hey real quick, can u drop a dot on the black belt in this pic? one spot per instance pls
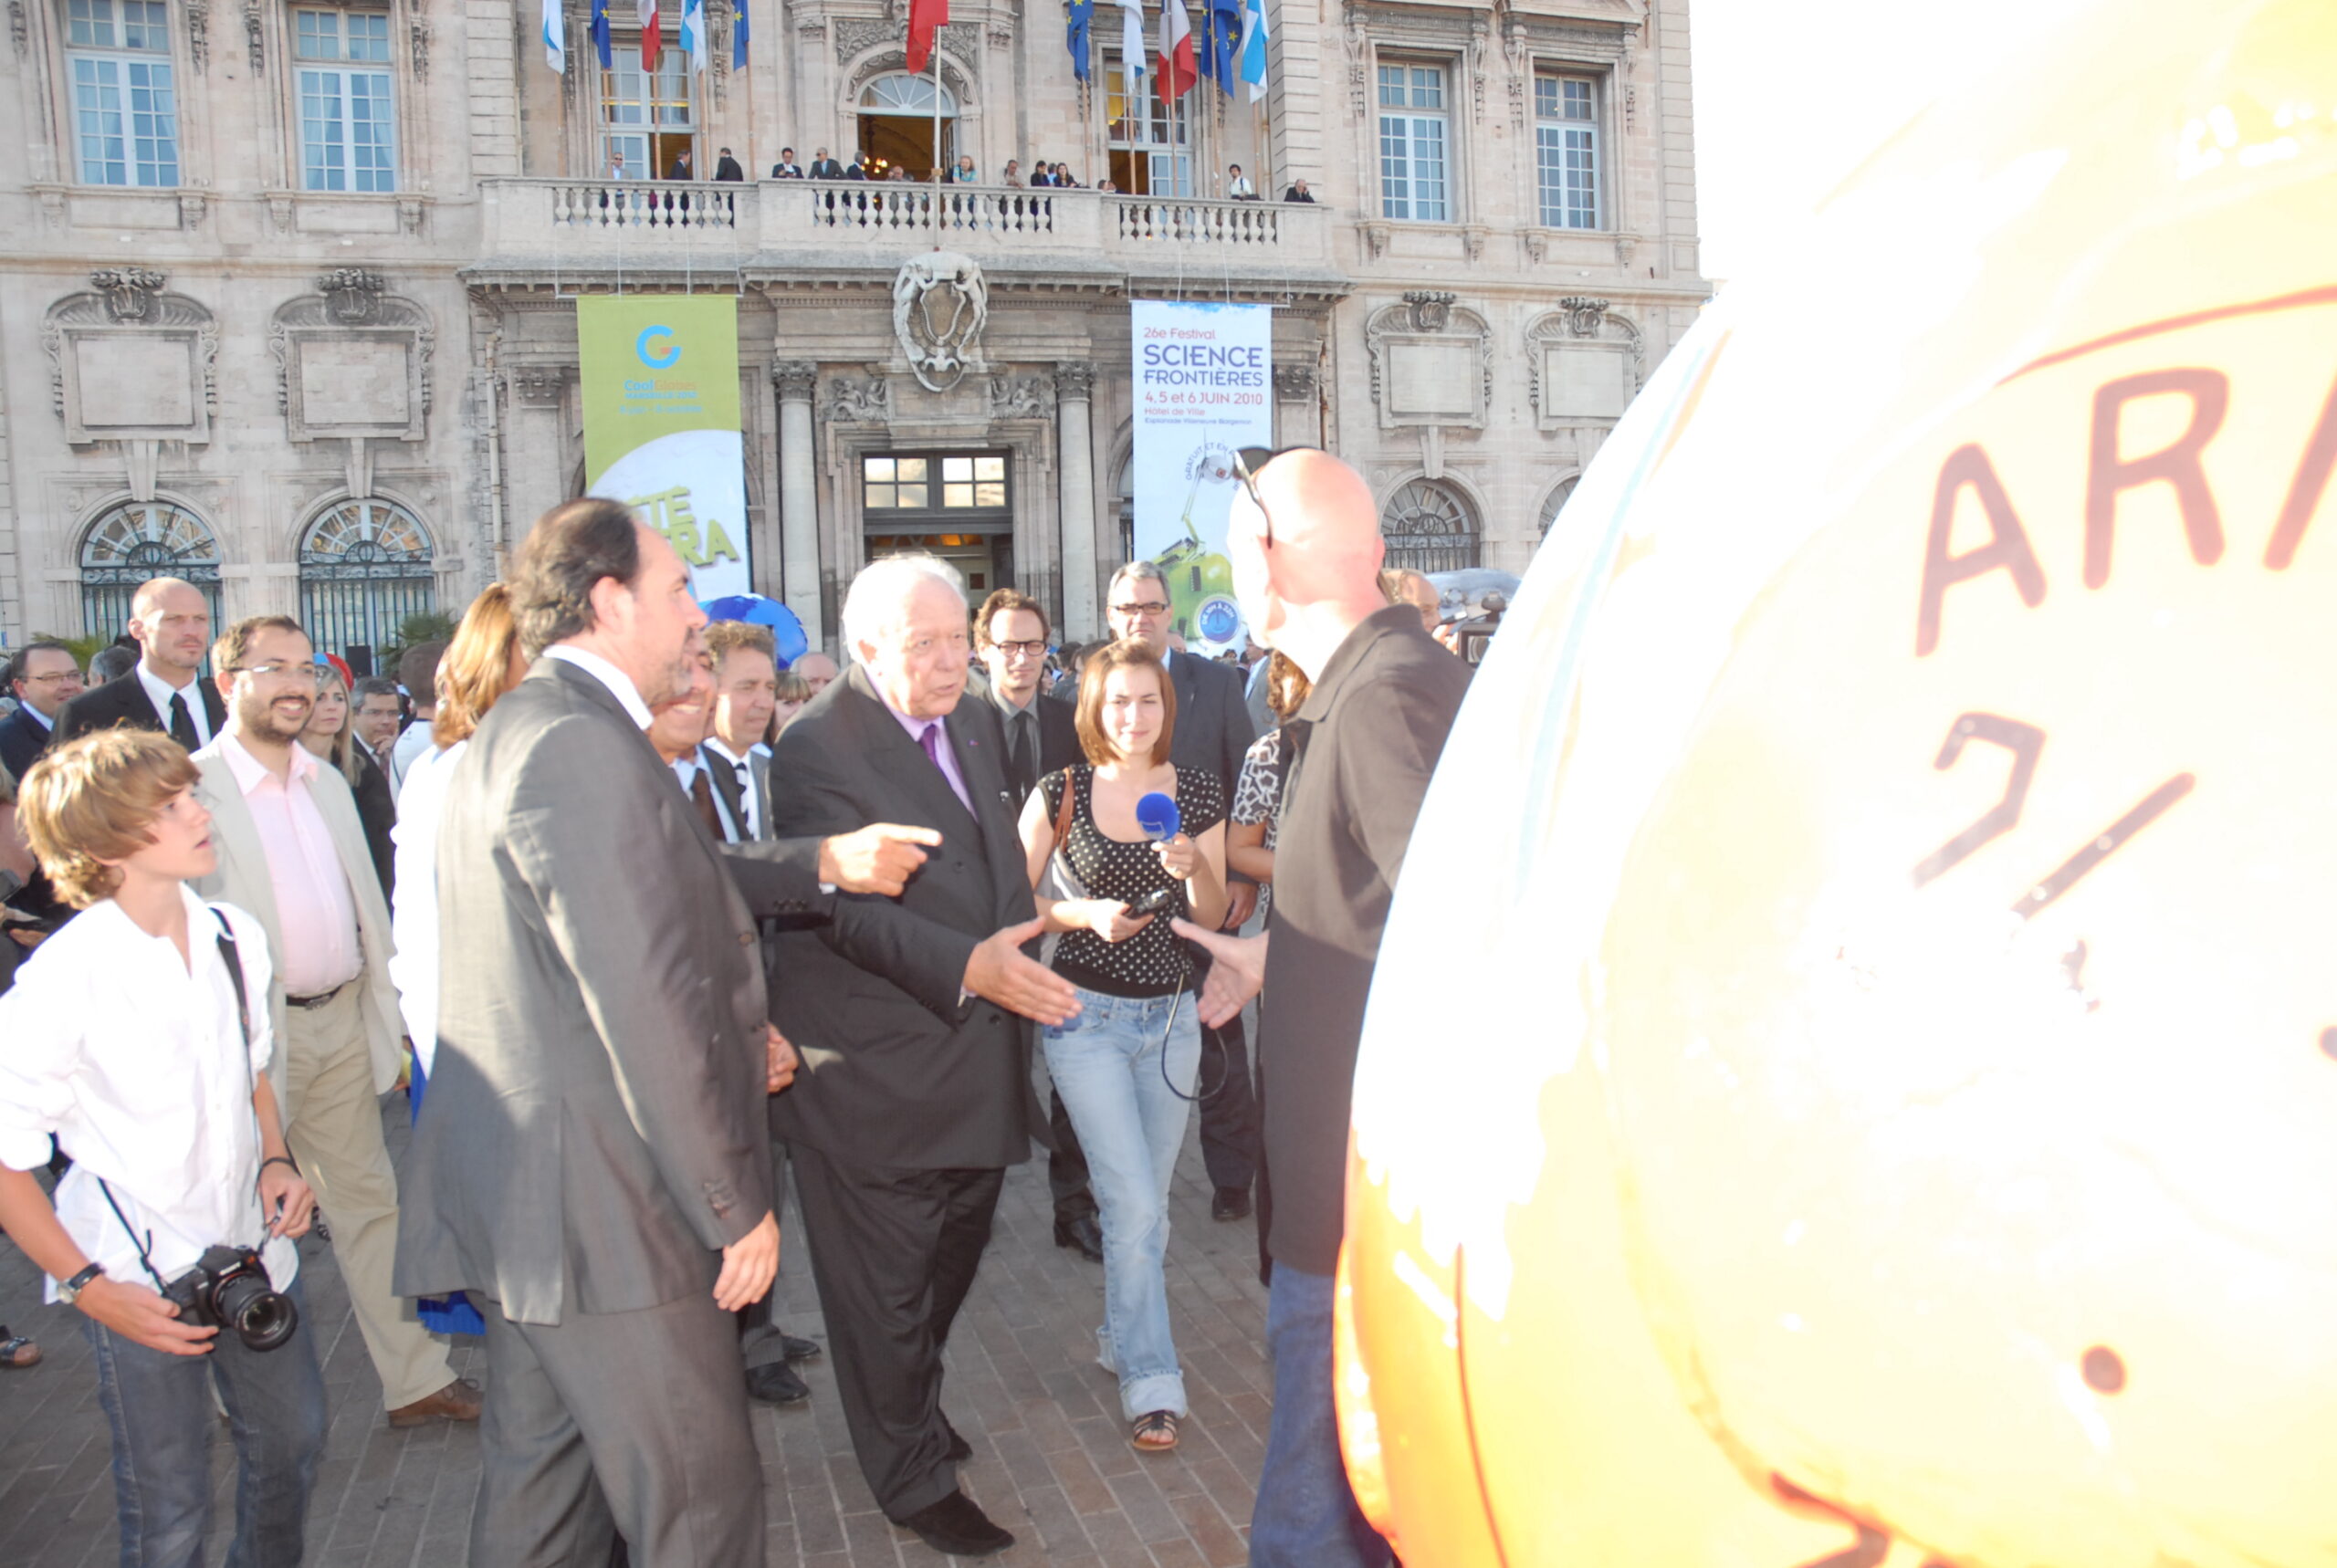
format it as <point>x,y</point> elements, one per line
<point>319,1000</point>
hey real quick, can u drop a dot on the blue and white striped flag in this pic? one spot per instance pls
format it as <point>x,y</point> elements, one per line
<point>693,37</point>
<point>1253,50</point>
<point>555,38</point>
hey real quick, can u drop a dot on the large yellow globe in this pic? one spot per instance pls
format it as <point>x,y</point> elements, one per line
<point>1853,1073</point>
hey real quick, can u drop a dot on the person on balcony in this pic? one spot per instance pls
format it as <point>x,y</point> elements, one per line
<point>1014,181</point>
<point>786,168</point>
<point>853,169</point>
<point>825,167</point>
<point>1238,185</point>
<point>965,173</point>
<point>1063,182</point>
<point>727,168</point>
<point>616,165</point>
<point>681,169</point>
<point>1299,193</point>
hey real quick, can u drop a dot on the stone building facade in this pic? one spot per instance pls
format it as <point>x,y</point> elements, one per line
<point>288,302</point>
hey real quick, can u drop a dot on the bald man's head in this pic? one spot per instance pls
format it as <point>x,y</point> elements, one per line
<point>171,623</point>
<point>1326,546</point>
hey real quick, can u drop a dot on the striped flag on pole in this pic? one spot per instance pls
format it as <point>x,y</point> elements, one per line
<point>1253,50</point>
<point>1177,72</point>
<point>1132,42</point>
<point>653,40</point>
<point>692,37</point>
<point>555,38</point>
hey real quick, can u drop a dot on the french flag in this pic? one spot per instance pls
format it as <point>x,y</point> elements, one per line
<point>1178,73</point>
<point>927,17</point>
<point>653,42</point>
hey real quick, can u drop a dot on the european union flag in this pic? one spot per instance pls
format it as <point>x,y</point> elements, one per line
<point>738,39</point>
<point>601,33</point>
<point>1083,13</point>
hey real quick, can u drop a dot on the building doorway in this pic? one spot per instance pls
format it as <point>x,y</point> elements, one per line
<point>896,114</point>
<point>955,504</point>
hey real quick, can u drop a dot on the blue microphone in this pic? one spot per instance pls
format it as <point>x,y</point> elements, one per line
<point>1157,815</point>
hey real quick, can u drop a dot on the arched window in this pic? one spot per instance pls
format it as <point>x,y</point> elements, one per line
<point>1429,527</point>
<point>364,567</point>
<point>897,126</point>
<point>901,93</point>
<point>1555,504</point>
<point>136,540</point>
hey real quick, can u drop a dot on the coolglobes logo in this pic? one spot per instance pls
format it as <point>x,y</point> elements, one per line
<point>646,348</point>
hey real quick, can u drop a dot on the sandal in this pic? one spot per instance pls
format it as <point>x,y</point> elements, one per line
<point>17,1354</point>
<point>1155,1432</point>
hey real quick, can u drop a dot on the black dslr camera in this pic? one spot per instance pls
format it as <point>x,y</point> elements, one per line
<point>229,1289</point>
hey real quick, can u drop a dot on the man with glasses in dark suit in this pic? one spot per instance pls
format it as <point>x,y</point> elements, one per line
<point>43,677</point>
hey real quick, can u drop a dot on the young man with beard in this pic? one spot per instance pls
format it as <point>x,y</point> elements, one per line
<point>292,852</point>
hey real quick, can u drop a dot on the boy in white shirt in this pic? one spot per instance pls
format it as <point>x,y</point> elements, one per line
<point>130,1040</point>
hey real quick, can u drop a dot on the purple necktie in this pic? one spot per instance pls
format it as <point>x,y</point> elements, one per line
<point>930,738</point>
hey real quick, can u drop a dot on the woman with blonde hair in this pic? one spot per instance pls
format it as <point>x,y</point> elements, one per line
<point>1125,1066</point>
<point>333,739</point>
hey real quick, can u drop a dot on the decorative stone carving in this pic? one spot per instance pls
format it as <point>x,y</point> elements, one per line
<point>856,34</point>
<point>1583,363</point>
<point>940,304</point>
<point>19,29</point>
<point>255,21</point>
<point>1430,309</point>
<point>795,380</point>
<point>1480,29</point>
<point>1422,375</point>
<point>352,362</point>
<point>812,28</point>
<point>1625,246</point>
<point>410,211</point>
<point>129,361</point>
<point>1537,244</point>
<point>1021,397</point>
<point>538,386</point>
<point>1074,381</point>
<point>1472,240</point>
<point>1001,35</point>
<point>1294,383</point>
<point>198,33</point>
<point>352,295</point>
<point>418,47</point>
<point>1374,238</point>
<point>857,399</point>
<point>52,207</point>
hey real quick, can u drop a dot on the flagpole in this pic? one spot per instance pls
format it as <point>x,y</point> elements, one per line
<point>937,139</point>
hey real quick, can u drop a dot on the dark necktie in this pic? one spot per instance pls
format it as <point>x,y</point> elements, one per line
<point>1018,758</point>
<point>702,792</point>
<point>931,741</point>
<point>183,723</point>
<point>746,778</point>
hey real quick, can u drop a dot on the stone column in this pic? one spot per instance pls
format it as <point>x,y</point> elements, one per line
<point>799,491</point>
<point>1297,411</point>
<point>1075,473</point>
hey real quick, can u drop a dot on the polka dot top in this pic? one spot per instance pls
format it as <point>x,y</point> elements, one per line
<point>1151,962</point>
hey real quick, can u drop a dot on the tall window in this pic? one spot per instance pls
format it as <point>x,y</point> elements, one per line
<point>364,567</point>
<point>349,133</point>
<point>136,540</point>
<point>1566,131</point>
<point>1412,141</point>
<point>1152,143</point>
<point>648,118</point>
<point>125,115</point>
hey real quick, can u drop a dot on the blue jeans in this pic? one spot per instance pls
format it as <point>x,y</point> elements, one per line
<point>1107,1065</point>
<point>1305,1516</point>
<point>159,1407</point>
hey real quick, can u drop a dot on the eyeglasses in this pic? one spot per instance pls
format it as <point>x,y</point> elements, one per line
<point>280,669</point>
<point>1149,607</point>
<point>1028,650</point>
<point>59,678</point>
<point>1248,461</point>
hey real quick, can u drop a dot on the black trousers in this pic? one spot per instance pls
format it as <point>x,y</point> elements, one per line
<point>894,1253</point>
<point>1229,1106</point>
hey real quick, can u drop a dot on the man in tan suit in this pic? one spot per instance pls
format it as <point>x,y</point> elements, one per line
<point>292,852</point>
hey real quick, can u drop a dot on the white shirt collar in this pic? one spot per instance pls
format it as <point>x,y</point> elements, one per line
<point>609,675</point>
<point>160,694</point>
<point>40,718</point>
<point>714,744</point>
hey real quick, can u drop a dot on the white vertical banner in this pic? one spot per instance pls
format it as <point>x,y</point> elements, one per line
<point>1204,388</point>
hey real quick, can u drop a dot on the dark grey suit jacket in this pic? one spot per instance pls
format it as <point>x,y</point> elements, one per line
<point>594,1132</point>
<point>1213,728</point>
<point>125,703</point>
<point>23,739</point>
<point>896,1071</point>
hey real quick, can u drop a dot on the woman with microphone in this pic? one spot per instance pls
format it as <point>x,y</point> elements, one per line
<point>1117,845</point>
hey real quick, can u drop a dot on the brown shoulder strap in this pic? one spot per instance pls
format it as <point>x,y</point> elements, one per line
<point>1063,812</point>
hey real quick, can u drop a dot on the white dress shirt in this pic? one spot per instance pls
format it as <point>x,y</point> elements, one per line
<point>316,910</point>
<point>414,742</point>
<point>743,771</point>
<point>414,910</point>
<point>686,774</point>
<point>135,1062</point>
<point>608,675</point>
<point>160,694</point>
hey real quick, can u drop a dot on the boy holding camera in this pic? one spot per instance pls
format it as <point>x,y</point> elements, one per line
<point>131,1039</point>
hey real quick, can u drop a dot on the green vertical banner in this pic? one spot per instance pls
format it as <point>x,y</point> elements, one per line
<point>661,424</point>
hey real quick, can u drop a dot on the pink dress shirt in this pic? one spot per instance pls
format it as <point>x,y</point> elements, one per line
<point>945,753</point>
<point>316,914</point>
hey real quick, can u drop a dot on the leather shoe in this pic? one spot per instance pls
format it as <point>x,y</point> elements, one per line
<point>776,1383</point>
<point>458,1401</point>
<point>795,1349</point>
<point>1231,1203</point>
<point>1083,1233</point>
<point>957,1527</point>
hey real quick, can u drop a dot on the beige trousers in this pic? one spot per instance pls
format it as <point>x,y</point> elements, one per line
<point>333,1125</point>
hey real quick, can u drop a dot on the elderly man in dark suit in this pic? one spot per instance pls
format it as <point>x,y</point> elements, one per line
<point>591,1163</point>
<point>909,1013</point>
<point>43,677</point>
<point>170,621</point>
<point>1214,732</point>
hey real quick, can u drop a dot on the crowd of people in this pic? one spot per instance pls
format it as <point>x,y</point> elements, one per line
<point>653,929</point>
<point>1040,173</point>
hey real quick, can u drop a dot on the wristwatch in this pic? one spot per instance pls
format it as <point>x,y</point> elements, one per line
<point>73,1287</point>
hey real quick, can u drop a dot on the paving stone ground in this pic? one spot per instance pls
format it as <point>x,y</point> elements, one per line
<point>1052,1460</point>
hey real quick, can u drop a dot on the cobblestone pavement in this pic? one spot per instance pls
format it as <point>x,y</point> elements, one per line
<point>1052,1460</point>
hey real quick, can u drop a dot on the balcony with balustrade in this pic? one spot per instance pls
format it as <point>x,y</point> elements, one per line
<point>538,231</point>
